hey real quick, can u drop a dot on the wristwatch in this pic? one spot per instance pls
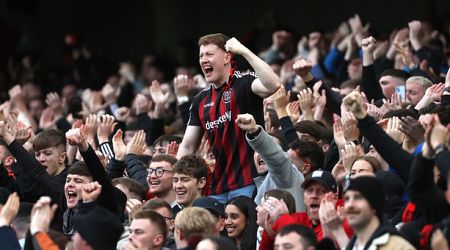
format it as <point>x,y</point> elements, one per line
<point>447,89</point>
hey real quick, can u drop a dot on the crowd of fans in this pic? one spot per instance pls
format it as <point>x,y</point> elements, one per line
<point>336,140</point>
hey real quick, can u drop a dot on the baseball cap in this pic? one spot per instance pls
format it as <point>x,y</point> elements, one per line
<point>323,177</point>
<point>211,204</point>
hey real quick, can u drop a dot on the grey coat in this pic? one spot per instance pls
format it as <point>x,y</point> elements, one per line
<point>281,173</point>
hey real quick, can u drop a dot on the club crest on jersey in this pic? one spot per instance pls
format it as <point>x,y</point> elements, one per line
<point>226,97</point>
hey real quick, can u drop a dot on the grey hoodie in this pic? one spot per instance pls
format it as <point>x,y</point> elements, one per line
<point>281,173</point>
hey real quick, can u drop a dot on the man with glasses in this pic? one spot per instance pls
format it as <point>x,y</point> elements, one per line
<point>159,179</point>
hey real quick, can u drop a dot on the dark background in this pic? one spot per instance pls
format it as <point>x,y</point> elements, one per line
<point>125,30</point>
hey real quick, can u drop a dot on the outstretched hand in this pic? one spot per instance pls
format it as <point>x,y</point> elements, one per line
<point>9,211</point>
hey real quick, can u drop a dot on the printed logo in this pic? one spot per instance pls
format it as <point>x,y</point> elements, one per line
<point>221,120</point>
<point>226,97</point>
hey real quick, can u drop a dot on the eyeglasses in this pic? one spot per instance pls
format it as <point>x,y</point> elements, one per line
<point>158,171</point>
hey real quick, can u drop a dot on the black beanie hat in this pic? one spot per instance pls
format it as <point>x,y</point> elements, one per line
<point>371,188</point>
<point>100,228</point>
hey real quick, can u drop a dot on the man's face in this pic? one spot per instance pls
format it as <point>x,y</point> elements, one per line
<point>261,213</point>
<point>357,209</point>
<point>414,92</point>
<point>144,233</point>
<point>313,196</point>
<point>187,188</point>
<point>388,84</point>
<point>162,184</point>
<point>168,216</point>
<point>291,241</point>
<point>36,108</point>
<point>72,188</point>
<point>160,149</point>
<point>212,61</point>
<point>260,164</point>
<point>354,69</point>
<point>51,158</point>
<point>361,168</point>
<point>302,166</point>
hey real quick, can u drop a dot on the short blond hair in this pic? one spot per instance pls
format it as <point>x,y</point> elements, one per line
<point>422,81</point>
<point>195,221</point>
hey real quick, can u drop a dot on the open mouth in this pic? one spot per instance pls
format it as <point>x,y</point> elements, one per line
<point>181,193</point>
<point>72,196</point>
<point>314,207</point>
<point>155,182</point>
<point>208,70</point>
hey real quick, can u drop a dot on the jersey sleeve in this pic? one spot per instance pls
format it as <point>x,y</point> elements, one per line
<point>194,118</point>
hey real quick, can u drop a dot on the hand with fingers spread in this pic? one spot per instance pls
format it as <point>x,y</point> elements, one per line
<point>435,92</point>
<point>338,133</point>
<point>303,69</point>
<point>306,101</point>
<point>281,100</point>
<point>41,215</point>
<point>137,145</point>
<point>349,124</point>
<point>15,93</point>
<point>5,133</point>
<point>338,171</point>
<point>393,129</point>
<point>353,103</point>
<point>399,38</point>
<point>142,104</point>
<point>412,128</point>
<point>275,209</point>
<point>77,137</point>
<point>9,211</point>
<point>91,191</point>
<point>133,206</point>
<point>349,154</point>
<point>394,103</point>
<point>374,111</point>
<point>293,110</point>
<point>247,123</point>
<point>436,134</point>
<point>182,85</point>
<point>172,148</point>
<point>46,121</point>
<point>106,125</point>
<point>23,132</point>
<point>91,126</point>
<point>159,97</point>
<point>108,93</point>
<point>55,103</point>
<point>320,97</point>
<point>329,216</point>
<point>119,147</point>
<point>122,114</point>
<point>414,34</point>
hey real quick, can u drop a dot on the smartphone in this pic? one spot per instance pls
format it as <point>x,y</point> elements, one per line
<point>401,90</point>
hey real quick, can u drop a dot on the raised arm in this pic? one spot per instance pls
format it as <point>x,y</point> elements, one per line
<point>191,141</point>
<point>267,82</point>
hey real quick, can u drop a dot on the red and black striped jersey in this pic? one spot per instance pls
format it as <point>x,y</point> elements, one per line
<point>215,110</point>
